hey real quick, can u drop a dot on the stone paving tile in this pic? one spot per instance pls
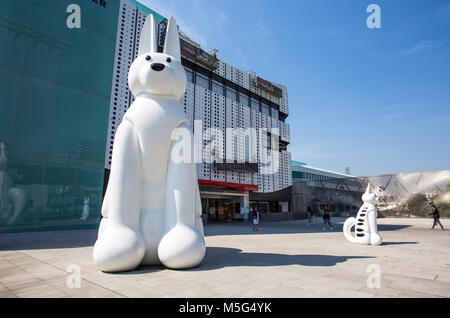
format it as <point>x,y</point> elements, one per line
<point>7,294</point>
<point>346,293</point>
<point>288,292</point>
<point>383,292</point>
<point>413,294</point>
<point>261,291</point>
<point>39,291</point>
<point>286,259</point>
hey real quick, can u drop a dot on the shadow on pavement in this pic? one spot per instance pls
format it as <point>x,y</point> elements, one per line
<point>220,257</point>
<point>399,243</point>
<point>47,240</point>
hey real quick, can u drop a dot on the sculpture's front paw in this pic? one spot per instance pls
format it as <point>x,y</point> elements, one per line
<point>375,239</point>
<point>119,249</point>
<point>183,247</point>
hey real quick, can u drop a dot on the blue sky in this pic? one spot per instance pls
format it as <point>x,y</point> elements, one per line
<point>376,100</point>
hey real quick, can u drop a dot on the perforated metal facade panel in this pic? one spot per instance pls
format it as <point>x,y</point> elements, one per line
<point>189,102</point>
<point>284,102</point>
<point>218,143</point>
<point>285,132</point>
<point>243,79</point>
<point>278,173</point>
<point>124,56</point>
<point>287,168</point>
<point>221,69</point>
<point>256,123</point>
<point>202,136</point>
<point>233,142</point>
<point>244,143</point>
<point>232,73</point>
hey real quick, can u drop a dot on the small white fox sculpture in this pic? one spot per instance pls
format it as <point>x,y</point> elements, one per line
<point>365,223</point>
<point>152,208</point>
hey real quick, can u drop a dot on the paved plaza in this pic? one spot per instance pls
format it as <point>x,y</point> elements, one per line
<point>286,259</point>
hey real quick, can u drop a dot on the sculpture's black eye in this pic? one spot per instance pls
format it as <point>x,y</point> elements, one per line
<point>148,57</point>
<point>169,60</point>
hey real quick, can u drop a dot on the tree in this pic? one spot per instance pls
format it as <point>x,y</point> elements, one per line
<point>417,204</point>
<point>442,201</point>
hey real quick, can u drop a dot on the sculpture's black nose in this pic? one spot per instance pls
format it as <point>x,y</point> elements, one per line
<point>158,67</point>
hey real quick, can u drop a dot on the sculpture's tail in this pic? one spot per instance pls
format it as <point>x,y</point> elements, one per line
<point>19,198</point>
<point>349,223</point>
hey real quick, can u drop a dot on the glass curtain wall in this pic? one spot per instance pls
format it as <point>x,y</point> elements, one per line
<point>55,85</point>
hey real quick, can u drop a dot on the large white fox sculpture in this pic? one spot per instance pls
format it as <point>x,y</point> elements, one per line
<point>152,208</point>
<point>365,223</point>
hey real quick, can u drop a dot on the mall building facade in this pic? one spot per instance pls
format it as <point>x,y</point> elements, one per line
<point>64,92</point>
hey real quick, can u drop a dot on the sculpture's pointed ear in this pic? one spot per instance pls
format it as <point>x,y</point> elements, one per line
<point>172,44</point>
<point>147,43</point>
<point>368,189</point>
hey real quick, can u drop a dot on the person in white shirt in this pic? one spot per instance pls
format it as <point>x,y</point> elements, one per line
<point>255,219</point>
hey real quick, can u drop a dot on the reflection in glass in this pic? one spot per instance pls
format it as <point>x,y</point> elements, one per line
<point>255,104</point>
<point>243,99</point>
<point>231,94</point>
<point>217,87</point>
<point>55,86</point>
<point>189,75</point>
<point>265,109</point>
<point>202,81</point>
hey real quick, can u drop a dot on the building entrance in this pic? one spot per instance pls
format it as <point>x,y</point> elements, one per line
<point>220,210</point>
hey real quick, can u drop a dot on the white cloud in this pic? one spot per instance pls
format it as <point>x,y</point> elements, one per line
<point>421,46</point>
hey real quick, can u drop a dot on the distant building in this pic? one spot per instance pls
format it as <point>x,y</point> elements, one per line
<point>301,170</point>
<point>316,187</point>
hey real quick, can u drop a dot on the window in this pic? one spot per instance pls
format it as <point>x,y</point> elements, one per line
<point>255,104</point>
<point>202,81</point>
<point>231,94</point>
<point>243,99</point>
<point>274,113</point>
<point>217,87</point>
<point>269,141</point>
<point>189,75</point>
<point>265,109</point>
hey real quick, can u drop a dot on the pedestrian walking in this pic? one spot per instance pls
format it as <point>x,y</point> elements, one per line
<point>255,219</point>
<point>436,217</point>
<point>311,216</point>
<point>327,218</point>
